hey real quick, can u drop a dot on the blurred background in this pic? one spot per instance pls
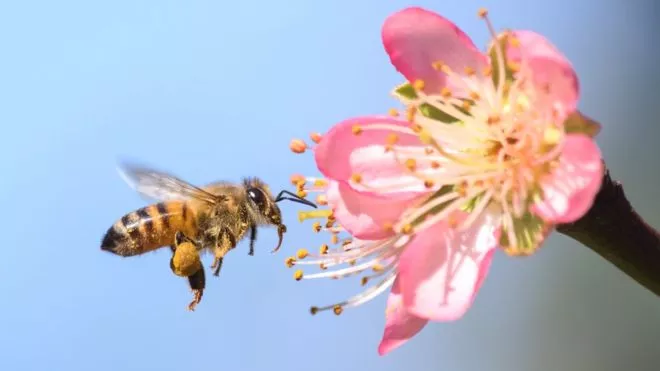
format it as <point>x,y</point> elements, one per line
<point>214,90</point>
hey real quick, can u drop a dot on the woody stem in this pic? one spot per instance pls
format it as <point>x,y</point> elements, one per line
<point>617,233</point>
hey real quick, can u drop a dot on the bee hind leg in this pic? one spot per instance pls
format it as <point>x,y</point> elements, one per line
<point>197,282</point>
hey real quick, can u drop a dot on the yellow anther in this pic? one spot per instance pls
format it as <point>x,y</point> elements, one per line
<point>356,178</point>
<point>411,111</point>
<point>391,138</point>
<point>313,310</point>
<point>302,253</point>
<point>357,129</point>
<point>334,239</point>
<point>388,227</point>
<point>513,66</point>
<point>462,189</point>
<point>474,95</point>
<point>323,249</point>
<point>466,105</point>
<point>487,71</point>
<point>452,221</point>
<point>301,193</point>
<point>352,262</point>
<point>445,69</point>
<point>329,224</point>
<point>425,136</point>
<point>411,164</point>
<point>407,229</point>
<point>551,135</point>
<point>377,268</point>
<point>437,65</point>
<point>297,146</point>
<point>483,13</point>
<point>493,119</point>
<point>315,137</point>
<point>470,71</point>
<point>435,165</point>
<point>320,183</point>
<point>418,84</point>
<point>337,309</point>
<point>297,179</point>
<point>513,41</point>
<point>323,267</point>
<point>393,112</point>
<point>298,275</point>
<point>290,261</point>
<point>416,128</point>
<point>346,242</point>
<point>428,150</point>
<point>364,281</point>
<point>322,200</point>
<point>429,183</point>
<point>445,92</point>
<point>316,227</point>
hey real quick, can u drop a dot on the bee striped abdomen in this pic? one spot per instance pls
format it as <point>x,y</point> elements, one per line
<point>149,228</point>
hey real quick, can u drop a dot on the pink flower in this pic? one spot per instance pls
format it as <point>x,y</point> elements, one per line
<point>484,158</point>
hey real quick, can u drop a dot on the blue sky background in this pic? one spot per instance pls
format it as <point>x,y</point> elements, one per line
<point>214,90</point>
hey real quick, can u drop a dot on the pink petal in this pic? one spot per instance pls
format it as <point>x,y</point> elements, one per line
<point>365,215</point>
<point>570,190</point>
<point>441,269</point>
<point>400,325</point>
<point>416,38</point>
<point>552,73</point>
<point>341,154</point>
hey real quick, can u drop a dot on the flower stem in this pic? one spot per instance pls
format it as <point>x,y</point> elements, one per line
<point>616,232</point>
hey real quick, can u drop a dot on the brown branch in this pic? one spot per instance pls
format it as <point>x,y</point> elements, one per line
<point>616,232</point>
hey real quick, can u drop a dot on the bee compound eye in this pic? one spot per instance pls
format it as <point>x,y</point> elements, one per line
<point>256,195</point>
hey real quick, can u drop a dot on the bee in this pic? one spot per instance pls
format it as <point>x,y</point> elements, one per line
<point>191,219</point>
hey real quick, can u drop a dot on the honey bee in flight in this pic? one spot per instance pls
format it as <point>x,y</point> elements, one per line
<point>191,219</point>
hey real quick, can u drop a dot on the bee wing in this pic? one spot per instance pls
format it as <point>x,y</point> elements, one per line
<point>162,186</point>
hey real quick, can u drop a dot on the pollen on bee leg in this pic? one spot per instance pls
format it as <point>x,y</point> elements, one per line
<point>297,146</point>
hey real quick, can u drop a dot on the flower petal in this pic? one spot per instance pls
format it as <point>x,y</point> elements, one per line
<point>552,73</point>
<point>441,270</point>
<point>343,153</point>
<point>400,325</point>
<point>366,215</point>
<point>416,38</point>
<point>570,190</point>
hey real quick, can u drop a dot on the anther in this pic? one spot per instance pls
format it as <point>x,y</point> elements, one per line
<point>391,138</point>
<point>320,183</point>
<point>337,309</point>
<point>334,239</point>
<point>487,71</point>
<point>411,111</point>
<point>407,229</point>
<point>315,137</point>
<point>297,179</point>
<point>474,95</point>
<point>483,13</point>
<point>352,262</point>
<point>466,105</point>
<point>364,281</point>
<point>445,92</point>
<point>493,119</point>
<point>297,146</point>
<point>393,112</point>
<point>316,227</point>
<point>298,275</point>
<point>388,227</point>
<point>302,254</point>
<point>435,164</point>
<point>323,249</point>
<point>416,128</point>
<point>513,41</point>
<point>322,200</point>
<point>356,178</point>
<point>357,129</point>
<point>513,66</point>
<point>290,261</point>
<point>469,71</point>
<point>377,268</point>
<point>429,183</point>
<point>323,267</point>
<point>437,65</point>
<point>313,310</point>
<point>418,84</point>
<point>301,193</point>
<point>411,164</point>
<point>428,150</point>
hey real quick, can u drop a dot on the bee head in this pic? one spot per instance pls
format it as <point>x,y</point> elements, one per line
<point>265,205</point>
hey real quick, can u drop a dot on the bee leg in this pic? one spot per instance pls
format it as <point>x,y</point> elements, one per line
<point>253,238</point>
<point>226,242</point>
<point>197,283</point>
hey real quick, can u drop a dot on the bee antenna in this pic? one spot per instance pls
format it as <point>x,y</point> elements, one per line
<point>295,198</point>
